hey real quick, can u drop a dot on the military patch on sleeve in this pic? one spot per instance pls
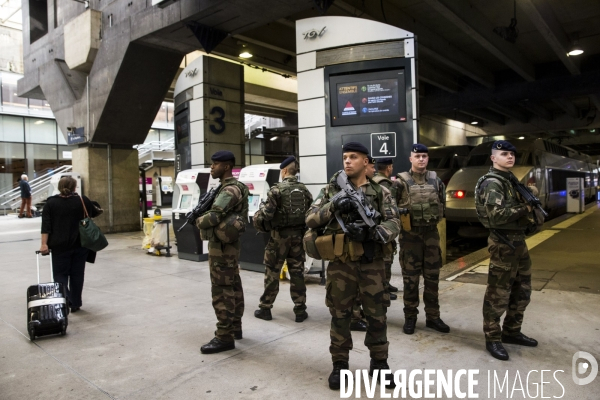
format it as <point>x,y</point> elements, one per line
<point>494,198</point>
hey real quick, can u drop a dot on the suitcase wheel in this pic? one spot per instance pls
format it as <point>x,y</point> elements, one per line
<point>63,332</point>
<point>31,334</point>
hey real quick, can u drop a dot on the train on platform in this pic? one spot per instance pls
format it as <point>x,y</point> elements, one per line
<point>446,160</point>
<point>539,162</point>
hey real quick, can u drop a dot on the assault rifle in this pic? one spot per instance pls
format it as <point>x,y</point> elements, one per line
<point>367,213</point>
<point>503,238</point>
<point>526,194</point>
<point>204,204</point>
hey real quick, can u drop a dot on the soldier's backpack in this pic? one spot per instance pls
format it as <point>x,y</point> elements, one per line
<point>294,202</point>
<point>259,222</point>
<point>233,225</point>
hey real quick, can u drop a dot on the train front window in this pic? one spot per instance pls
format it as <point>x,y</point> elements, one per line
<point>480,160</point>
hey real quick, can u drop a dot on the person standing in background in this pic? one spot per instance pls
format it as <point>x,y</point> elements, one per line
<point>25,197</point>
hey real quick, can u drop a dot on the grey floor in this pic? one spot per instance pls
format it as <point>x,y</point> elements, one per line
<point>144,318</point>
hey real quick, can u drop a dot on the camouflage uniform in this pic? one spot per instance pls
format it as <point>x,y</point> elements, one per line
<point>346,277</point>
<point>285,244</point>
<point>387,183</point>
<point>226,285</point>
<point>420,252</point>
<point>509,280</point>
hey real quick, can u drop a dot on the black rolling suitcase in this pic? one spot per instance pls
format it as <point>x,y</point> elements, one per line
<point>46,306</point>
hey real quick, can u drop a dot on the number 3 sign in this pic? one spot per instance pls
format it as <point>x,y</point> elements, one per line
<point>219,120</point>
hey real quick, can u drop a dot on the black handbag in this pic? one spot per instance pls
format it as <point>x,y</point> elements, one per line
<point>90,235</point>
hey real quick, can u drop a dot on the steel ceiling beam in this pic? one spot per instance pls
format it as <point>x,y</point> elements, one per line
<point>509,112</point>
<point>477,26</point>
<point>431,45</point>
<point>485,115</point>
<point>542,16</point>
<point>428,73</point>
<point>568,107</point>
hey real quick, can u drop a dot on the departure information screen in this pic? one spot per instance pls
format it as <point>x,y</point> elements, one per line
<point>368,98</point>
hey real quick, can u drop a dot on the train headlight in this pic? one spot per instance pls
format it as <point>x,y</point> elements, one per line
<point>457,194</point>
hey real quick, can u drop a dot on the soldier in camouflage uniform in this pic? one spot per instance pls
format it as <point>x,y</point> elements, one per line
<point>348,270</point>
<point>385,168</point>
<point>285,209</point>
<point>423,194</point>
<point>221,226</point>
<point>501,209</point>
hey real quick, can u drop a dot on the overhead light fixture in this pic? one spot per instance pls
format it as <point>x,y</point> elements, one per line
<point>592,130</point>
<point>521,137</point>
<point>474,122</point>
<point>245,54</point>
<point>274,138</point>
<point>575,50</point>
<point>38,122</point>
<point>509,33</point>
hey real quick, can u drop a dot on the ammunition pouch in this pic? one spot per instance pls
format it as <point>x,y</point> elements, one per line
<point>325,248</point>
<point>309,243</point>
<point>536,222</point>
<point>207,234</point>
<point>369,255</point>
<point>230,229</point>
<point>405,220</point>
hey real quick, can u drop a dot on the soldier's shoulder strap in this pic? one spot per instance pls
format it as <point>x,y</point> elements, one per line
<point>490,176</point>
<point>380,178</point>
<point>406,177</point>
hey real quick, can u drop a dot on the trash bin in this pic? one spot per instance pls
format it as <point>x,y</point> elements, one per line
<point>148,226</point>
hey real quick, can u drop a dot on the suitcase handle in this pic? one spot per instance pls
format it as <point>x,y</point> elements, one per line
<point>37,253</point>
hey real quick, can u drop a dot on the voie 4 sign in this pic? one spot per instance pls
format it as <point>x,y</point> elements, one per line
<point>383,145</point>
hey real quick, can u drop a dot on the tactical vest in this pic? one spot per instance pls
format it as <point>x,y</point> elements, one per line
<point>383,181</point>
<point>293,204</point>
<point>425,206</point>
<point>234,223</point>
<point>511,200</point>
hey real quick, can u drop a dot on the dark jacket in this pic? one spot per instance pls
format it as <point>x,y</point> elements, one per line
<point>25,188</point>
<point>60,220</point>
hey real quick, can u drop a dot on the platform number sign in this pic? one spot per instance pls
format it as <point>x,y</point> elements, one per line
<point>383,145</point>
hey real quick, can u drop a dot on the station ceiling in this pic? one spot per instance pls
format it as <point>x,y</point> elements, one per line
<point>502,64</point>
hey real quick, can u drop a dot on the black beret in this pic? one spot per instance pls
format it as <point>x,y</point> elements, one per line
<point>503,145</point>
<point>223,155</point>
<point>385,161</point>
<point>419,148</point>
<point>354,146</point>
<point>287,162</point>
<point>371,160</point>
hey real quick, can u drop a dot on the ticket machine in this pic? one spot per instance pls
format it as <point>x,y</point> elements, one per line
<point>259,179</point>
<point>164,191</point>
<point>190,184</point>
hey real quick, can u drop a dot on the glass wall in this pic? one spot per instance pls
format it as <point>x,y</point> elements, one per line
<point>30,145</point>
<point>11,103</point>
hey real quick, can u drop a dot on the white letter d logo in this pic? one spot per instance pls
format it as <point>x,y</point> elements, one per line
<point>583,367</point>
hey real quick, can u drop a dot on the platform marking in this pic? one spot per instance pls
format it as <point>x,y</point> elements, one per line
<point>575,219</point>
<point>483,266</point>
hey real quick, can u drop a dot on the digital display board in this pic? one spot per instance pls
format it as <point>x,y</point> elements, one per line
<point>366,98</point>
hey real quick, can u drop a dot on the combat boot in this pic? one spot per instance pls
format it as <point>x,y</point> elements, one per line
<point>263,313</point>
<point>334,378</point>
<point>438,325</point>
<point>393,296</point>
<point>359,325</point>
<point>519,339</point>
<point>393,289</point>
<point>301,317</point>
<point>497,350</point>
<point>382,365</point>
<point>216,346</point>
<point>409,325</point>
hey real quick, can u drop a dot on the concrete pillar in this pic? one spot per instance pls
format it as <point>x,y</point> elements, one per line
<point>213,92</point>
<point>93,165</point>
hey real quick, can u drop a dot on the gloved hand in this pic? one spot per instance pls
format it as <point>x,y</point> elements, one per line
<point>380,235</point>
<point>344,205</point>
<point>356,232</point>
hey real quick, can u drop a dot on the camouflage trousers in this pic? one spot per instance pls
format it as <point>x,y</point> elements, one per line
<point>226,288</point>
<point>508,289</point>
<point>344,280</point>
<point>420,254</point>
<point>282,247</point>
